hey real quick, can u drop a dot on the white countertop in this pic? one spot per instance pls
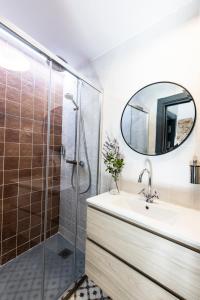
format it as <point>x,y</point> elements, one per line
<point>173,221</point>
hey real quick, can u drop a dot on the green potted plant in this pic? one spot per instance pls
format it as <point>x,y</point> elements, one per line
<point>113,160</point>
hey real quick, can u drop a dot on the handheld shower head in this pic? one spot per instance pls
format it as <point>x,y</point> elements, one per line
<point>69,96</point>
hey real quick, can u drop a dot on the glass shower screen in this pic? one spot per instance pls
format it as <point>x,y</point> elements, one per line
<point>48,168</point>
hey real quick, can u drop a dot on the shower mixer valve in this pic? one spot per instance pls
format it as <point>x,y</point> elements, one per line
<point>74,162</point>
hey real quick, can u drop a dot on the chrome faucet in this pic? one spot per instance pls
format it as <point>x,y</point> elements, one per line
<point>149,196</point>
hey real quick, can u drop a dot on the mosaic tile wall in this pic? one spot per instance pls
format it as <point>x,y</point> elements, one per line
<point>23,145</point>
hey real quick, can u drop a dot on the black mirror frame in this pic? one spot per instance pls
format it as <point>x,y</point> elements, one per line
<point>195,116</point>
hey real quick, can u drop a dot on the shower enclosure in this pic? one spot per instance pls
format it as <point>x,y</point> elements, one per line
<point>49,166</point>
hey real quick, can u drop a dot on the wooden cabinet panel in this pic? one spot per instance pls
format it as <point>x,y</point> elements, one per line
<point>174,266</point>
<point>118,280</point>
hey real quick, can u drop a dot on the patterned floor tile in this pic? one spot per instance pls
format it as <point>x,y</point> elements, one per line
<point>89,291</point>
<point>22,278</point>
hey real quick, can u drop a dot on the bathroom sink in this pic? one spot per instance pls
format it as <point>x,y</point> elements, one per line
<point>173,221</point>
<point>137,205</point>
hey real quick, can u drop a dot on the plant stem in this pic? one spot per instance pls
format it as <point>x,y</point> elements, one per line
<point>117,185</point>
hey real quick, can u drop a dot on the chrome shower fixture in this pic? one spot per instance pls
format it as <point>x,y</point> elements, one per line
<point>69,96</point>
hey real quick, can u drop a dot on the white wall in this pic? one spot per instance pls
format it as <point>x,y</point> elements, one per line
<point>173,56</point>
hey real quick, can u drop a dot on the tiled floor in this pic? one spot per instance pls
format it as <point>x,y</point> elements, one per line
<point>21,279</point>
<point>89,291</point>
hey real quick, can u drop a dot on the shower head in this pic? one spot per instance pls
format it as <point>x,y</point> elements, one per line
<point>69,96</point>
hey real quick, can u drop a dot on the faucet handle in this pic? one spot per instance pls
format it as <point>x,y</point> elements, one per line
<point>156,195</point>
<point>143,192</point>
<point>149,198</point>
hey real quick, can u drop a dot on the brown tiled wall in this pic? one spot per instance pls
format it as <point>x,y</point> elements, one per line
<point>23,137</point>
<point>54,153</point>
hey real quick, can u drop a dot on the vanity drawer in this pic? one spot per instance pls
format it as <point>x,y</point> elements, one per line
<point>172,265</point>
<point>118,280</point>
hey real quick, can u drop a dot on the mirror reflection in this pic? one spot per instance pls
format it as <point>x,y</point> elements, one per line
<point>158,118</point>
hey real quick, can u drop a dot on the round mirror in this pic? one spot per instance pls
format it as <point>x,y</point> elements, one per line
<point>158,118</point>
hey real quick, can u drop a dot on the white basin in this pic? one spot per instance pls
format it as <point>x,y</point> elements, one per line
<point>173,221</point>
<point>150,210</point>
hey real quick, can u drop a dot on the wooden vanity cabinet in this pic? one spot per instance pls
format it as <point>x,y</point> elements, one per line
<point>129,262</point>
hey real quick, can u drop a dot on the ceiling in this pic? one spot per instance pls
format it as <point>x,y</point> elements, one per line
<point>82,30</point>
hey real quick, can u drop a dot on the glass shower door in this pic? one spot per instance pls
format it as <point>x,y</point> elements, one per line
<point>24,84</point>
<point>46,116</point>
<point>88,153</point>
<point>59,258</point>
<point>73,177</point>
